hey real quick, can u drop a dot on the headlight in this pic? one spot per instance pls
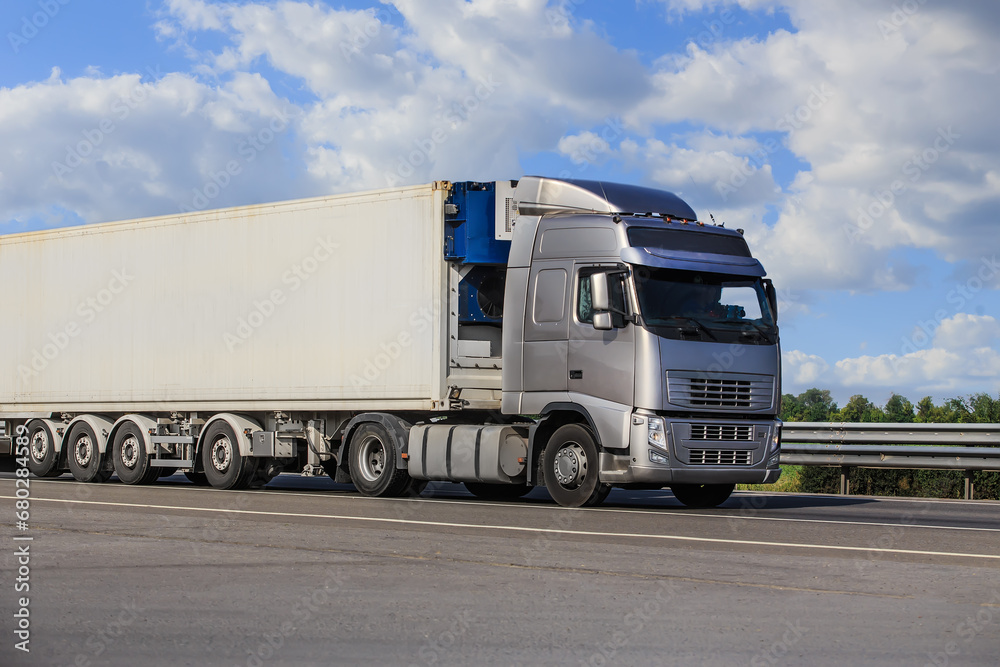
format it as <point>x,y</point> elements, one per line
<point>657,433</point>
<point>776,436</point>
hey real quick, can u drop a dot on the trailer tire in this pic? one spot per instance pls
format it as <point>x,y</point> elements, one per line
<point>571,468</point>
<point>83,456</point>
<point>225,467</point>
<point>133,464</point>
<point>497,491</point>
<point>702,495</point>
<point>372,460</point>
<point>42,459</point>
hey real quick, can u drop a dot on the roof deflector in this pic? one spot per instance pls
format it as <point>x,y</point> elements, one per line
<point>536,195</point>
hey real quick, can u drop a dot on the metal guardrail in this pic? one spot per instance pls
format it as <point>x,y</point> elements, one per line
<point>965,447</point>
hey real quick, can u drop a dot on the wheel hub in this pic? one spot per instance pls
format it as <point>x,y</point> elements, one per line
<point>130,451</point>
<point>570,466</point>
<point>39,446</point>
<point>372,458</point>
<point>84,450</point>
<point>222,454</point>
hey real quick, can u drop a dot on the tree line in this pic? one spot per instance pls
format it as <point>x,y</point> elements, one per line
<point>817,405</point>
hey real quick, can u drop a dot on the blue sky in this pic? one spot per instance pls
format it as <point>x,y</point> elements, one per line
<point>854,141</point>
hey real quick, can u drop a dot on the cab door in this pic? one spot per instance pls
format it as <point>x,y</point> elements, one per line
<point>600,363</point>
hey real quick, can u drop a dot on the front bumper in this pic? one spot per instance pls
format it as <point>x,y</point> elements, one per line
<point>697,451</point>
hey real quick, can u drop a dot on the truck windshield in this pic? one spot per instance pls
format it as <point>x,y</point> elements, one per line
<point>707,306</point>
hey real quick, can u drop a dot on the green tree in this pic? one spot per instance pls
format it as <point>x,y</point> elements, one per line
<point>812,405</point>
<point>856,409</point>
<point>899,410</point>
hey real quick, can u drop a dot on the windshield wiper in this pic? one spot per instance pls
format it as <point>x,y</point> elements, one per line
<point>698,326</point>
<point>761,330</point>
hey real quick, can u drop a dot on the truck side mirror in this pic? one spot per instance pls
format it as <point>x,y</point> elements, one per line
<point>772,298</point>
<point>600,300</point>
<point>602,321</point>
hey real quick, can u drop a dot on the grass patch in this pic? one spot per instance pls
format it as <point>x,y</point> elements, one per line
<point>789,482</point>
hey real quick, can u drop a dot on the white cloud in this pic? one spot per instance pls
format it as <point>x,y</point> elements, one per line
<point>803,369</point>
<point>967,331</point>
<point>893,161</point>
<point>963,359</point>
<point>119,147</point>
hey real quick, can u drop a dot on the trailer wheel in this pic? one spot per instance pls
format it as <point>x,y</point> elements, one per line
<point>702,495</point>
<point>372,460</point>
<point>225,467</point>
<point>84,458</point>
<point>42,460</point>
<point>571,468</point>
<point>497,491</point>
<point>133,464</point>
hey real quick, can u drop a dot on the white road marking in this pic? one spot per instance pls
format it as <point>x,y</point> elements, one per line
<point>557,531</point>
<point>663,511</point>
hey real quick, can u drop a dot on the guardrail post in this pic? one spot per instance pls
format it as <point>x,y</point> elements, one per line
<point>845,480</point>
<point>969,490</point>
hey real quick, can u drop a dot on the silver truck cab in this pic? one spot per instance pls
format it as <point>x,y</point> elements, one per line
<point>654,331</point>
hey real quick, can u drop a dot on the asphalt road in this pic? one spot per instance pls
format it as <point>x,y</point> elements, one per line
<point>309,572</point>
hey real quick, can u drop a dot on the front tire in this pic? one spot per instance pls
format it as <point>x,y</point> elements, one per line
<point>225,467</point>
<point>571,468</point>
<point>372,460</point>
<point>702,495</point>
<point>133,465</point>
<point>85,459</point>
<point>42,459</point>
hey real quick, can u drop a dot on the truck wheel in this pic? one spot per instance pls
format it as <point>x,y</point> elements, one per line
<point>497,491</point>
<point>702,495</point>
<point>197,478</point>
<point>372,461</point>
<point>571,468</point>
<point>133,464</point>
<point>225,467</point>
<point>84,458</point>
<point>42,460</point>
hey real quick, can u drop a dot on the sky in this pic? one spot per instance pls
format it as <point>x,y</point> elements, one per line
<point>855,142</point>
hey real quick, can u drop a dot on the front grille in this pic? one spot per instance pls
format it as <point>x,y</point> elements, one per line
<point>720,391</point>
<point>721,432</point>
<point>720,457</point>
